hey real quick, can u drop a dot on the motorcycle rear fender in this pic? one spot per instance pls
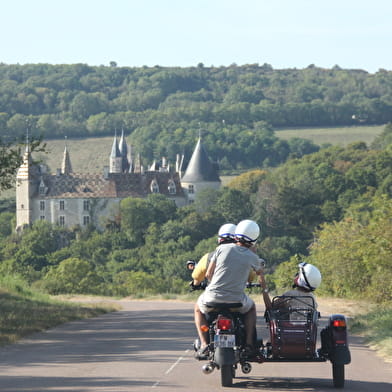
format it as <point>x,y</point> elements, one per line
<point>224,356</point>
<point>339,352</point>
<point>340,355</point>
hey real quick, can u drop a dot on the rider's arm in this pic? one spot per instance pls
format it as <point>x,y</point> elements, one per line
<point>212,263</point>
<point>266,297</point>
<point>211,269</point>
<point>199,273</point>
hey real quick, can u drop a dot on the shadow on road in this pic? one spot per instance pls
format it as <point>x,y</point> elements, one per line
<point>67,384</point>
<point>307,384</point>
<point>124,335</point>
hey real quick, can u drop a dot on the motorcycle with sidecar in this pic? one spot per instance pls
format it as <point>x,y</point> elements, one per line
<point>292,322</point>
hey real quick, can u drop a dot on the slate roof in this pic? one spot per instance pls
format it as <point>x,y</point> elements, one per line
<point>200,168</point>
<point>116,185</point>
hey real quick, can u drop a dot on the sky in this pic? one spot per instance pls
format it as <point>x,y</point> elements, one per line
<point>353,34</point>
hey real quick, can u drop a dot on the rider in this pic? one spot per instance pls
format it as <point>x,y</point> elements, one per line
<point>306,280</point>
<point>199,278</point>
<point>232,265</point>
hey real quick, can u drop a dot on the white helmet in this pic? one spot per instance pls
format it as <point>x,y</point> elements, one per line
<point>226,232</point>
<point>309,277</point>
<point>247,231</point>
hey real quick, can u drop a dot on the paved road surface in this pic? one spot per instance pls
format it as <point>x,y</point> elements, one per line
<point>147,347</point>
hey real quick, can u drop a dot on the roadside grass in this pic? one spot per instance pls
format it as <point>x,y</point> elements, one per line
<point>23,311</point>
<point>376,328</point>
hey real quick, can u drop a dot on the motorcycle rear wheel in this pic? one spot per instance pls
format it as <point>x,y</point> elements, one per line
<point>227,375</point>
<point>338,375</point>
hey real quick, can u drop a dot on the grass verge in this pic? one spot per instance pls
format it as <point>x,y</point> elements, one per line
<point>376,327</point>
<point>24,311</point>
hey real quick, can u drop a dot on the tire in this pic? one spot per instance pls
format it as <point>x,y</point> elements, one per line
<point>227,375</point>
<point>338,375</point>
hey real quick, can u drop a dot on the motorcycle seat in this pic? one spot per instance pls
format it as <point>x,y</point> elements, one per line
<point>223,305</point>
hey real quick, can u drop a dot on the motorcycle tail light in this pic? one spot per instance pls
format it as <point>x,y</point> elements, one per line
<point>339,323</point>
<point>224,324</point>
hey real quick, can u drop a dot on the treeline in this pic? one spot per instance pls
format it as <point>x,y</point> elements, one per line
<point>333,206</point>
<point>173,104</point>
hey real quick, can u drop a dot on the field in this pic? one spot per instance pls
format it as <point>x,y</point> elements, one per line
<point>92,154</point>
<point>336,136</point>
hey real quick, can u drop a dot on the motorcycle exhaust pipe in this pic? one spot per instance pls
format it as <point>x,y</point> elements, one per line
<point>208,368</point>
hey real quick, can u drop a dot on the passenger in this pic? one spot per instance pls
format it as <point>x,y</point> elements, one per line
<point>199,274</point>
<point>306,280</point>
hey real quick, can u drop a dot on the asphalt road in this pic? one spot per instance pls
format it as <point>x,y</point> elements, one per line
<point>148,347</point>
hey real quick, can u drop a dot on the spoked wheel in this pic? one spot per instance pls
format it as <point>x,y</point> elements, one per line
<point>338,375</point>
<point>227,375</point>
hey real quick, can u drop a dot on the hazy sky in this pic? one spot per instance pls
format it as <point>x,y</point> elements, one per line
<point>283,33</point>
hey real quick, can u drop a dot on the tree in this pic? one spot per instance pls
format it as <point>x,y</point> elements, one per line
<point>72,276</point>
<point>248,182</point>
<point>136,216</point>
<point>384,139</point>
<point>354,254</point>
<point>11,158</point>
<point>162,208</point>
<point>234,205</point>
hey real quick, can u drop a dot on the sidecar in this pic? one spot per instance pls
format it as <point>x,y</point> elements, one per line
<point>293,326</point>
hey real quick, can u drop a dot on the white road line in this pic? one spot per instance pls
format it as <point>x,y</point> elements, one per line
<point>170,369</point>
<point>174,365</point>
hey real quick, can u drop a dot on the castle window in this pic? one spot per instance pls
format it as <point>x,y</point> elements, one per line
<point>42,217</point>
<point>154,187</point>
<point>42,190</point>
<point>172,187</point>
<point>62,204</point>
<point>86,205</point>
<point>86,220</point>
<point>42,205</point>
<point>62,220</point>
<point>191,189</point>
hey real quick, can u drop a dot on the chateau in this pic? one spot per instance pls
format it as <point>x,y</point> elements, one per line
<point>79,199</point>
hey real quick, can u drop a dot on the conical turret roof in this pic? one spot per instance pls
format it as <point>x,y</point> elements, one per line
<point>66,166</point>
<point>200,167</point>
<point>115,149</point>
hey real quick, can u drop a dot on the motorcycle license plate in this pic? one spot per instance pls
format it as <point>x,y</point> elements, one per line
<point>224,341</point>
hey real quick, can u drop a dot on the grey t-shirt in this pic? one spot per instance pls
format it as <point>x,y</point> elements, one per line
<point>233,264</point>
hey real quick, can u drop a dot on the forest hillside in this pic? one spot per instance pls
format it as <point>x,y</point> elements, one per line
<point>163,109</point>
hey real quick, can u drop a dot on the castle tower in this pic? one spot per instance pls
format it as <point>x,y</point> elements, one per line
<point>115,161</point>
<point>123,147</point>
<point>66,166</point>
<point>200,173</point>
<point>130,160</point>
<point>24,191</point>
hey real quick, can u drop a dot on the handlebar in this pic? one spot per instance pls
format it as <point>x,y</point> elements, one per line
<point>250,286</point>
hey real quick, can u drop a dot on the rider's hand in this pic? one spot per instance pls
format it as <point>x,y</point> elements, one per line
<point>193,286</point>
